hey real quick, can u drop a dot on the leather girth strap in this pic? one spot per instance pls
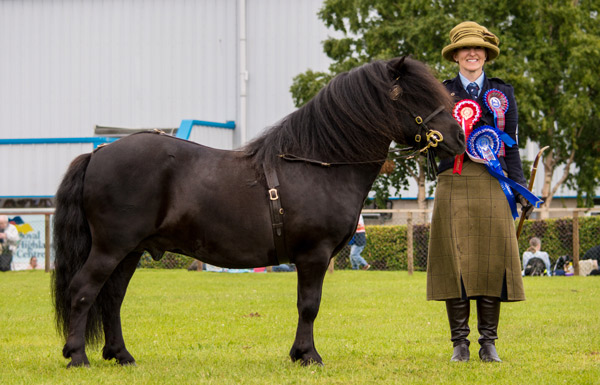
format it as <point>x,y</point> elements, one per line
<point>281,255</point>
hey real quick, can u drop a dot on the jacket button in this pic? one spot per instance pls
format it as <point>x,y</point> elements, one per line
<point>452,94</point>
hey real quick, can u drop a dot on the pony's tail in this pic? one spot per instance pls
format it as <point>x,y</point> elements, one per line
<point>72,244</point>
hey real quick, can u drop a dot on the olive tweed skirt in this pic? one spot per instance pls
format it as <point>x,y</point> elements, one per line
<point>473,247</point>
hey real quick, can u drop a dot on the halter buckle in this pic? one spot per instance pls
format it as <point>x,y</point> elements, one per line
<point>434,137</point>
<point>273,194</point>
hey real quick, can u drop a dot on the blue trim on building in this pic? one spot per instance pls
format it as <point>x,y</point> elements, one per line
<point>97,140</point>
<point>183,132</point>
<point>185,129</point>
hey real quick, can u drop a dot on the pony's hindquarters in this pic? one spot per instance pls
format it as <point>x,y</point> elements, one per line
<point>72,244</point>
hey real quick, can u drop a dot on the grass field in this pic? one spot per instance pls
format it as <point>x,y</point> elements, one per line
<point>373,327</point>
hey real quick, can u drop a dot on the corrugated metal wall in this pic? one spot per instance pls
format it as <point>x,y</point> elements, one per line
<point>284,40</point>
<point>68,65</point>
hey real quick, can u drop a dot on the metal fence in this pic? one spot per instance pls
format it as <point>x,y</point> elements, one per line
<point>573,234</point>
<point>396,239</point>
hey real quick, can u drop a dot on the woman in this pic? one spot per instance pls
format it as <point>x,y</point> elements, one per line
<point>473,252</point>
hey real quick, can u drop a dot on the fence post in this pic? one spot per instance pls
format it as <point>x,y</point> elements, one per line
<point>331,266</point>
<point>576,242</point>
<point>409,244</point>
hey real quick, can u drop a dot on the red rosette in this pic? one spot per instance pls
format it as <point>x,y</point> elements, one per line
<point>466,112</point>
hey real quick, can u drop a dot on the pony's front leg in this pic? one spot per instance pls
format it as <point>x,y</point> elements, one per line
<point>310,286</point>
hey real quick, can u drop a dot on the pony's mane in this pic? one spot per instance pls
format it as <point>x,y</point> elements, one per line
<point>353,115</point>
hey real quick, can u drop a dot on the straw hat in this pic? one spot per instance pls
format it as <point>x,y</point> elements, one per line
<point>471,34</point>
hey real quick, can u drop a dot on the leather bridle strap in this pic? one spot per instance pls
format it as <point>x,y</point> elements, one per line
<point>432,137</point>
<point>281,255</point>
<point>432,115</point>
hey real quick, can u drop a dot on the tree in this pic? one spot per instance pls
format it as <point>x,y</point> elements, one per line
<point>550,52</point>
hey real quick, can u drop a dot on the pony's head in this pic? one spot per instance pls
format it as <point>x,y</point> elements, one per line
<point>359,113</point>
<point>424,106</point>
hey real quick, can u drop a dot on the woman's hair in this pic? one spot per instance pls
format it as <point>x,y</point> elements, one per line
<point>534,243</point>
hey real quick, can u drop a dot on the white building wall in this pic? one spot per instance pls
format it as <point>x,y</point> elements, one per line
<point>284,40</point>
<point>69,65</point>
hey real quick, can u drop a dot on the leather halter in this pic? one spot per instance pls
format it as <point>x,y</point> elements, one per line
<point>432,137</point>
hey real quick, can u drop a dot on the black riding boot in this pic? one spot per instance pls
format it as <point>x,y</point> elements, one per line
<point>488,315</point>
<point>458,316</point>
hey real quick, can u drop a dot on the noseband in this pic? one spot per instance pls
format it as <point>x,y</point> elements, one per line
<point>432,139</point>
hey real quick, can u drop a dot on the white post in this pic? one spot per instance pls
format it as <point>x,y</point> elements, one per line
<point>243,72</point>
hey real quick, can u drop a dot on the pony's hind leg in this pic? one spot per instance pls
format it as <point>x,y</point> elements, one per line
<point>116,286</point>
<point>84,320</point>
<point>310,287</point>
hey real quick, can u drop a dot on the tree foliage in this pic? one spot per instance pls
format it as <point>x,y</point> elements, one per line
<point>550,53</point>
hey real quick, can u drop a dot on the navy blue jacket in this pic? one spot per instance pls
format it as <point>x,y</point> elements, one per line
<point>511,162</point>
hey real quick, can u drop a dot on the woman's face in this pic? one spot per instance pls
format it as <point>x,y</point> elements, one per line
<point>470,59</point>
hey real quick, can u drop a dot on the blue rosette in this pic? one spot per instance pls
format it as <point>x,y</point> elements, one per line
<point>483,146</point>
<point>483,140</point>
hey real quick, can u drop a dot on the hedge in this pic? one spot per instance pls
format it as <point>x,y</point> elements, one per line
<point>386,245</point>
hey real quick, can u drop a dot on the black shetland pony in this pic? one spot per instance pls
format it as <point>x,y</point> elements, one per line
<point>156,193</point>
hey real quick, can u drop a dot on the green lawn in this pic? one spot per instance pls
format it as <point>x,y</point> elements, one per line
<point>373,328</point>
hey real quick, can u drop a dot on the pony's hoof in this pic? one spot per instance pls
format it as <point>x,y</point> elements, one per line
<point>122,356</point>
<point>307,359</point>
<point>311,361</point>
<point>127,362</point>
<point>77,359</point>
<point>74,364</point>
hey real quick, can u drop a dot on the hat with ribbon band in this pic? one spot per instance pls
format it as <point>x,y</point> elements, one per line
<point>471,34</point>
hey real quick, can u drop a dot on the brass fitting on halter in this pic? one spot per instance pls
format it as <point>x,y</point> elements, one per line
<point>434,137</point>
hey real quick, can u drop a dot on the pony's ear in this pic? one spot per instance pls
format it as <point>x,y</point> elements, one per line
<point>395,67</point>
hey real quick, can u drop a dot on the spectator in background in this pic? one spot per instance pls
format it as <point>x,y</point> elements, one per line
<point>32,263</point>
<point>593,253</point>
<point>283,268</point>
<point>9,238</point>
<point>534,252</point>
<point>357,245</point>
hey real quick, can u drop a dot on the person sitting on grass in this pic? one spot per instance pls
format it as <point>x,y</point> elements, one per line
<point>534,252</point>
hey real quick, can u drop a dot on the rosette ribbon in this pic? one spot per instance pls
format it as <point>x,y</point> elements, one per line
<point>483,146</point>
<point>497,103</point>
<point>466,112</point>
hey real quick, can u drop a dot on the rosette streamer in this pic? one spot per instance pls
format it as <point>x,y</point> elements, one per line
<point>482,147</point>
<point>497,103</point>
